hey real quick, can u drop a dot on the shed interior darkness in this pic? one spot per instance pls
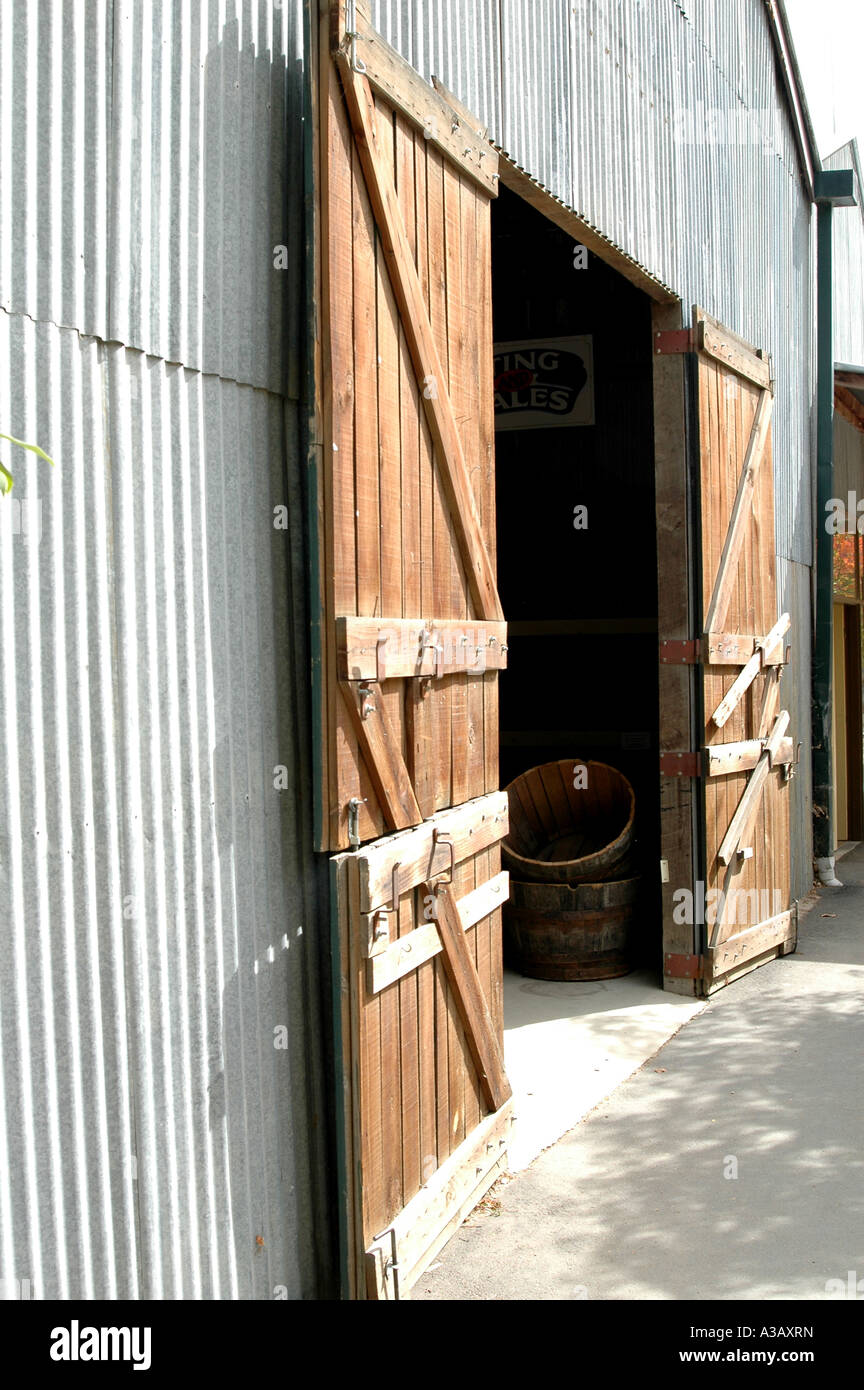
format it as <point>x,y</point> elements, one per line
<point>581,605</point>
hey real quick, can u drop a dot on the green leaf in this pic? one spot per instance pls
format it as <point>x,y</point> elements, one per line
<point>22,444</point>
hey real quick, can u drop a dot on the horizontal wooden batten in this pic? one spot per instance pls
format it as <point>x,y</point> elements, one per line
<point>420,854</point>
<point>768,644</point>
<point>740,519</point>
<point>445,127</point>
<point>409,952</point>
<point>724,346</point>
<point>430,1218</point>
<point>736,649</point>
<point>724,758</point>
<point>775,932</point>
<point>420,340</point>
<point>384,648</point>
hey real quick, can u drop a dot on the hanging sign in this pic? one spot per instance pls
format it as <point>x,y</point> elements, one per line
<point>544,382</point>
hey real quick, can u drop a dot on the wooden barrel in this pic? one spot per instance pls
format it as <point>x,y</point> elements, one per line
<point>563,931</point>
<point>561,833</point>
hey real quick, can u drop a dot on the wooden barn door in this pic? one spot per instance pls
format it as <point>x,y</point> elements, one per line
<point>749,751</point>
<point>413,642</point>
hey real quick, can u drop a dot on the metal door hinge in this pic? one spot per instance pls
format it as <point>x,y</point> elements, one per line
<point>678,966</point>
<point>674,340</point>
<point>681,764</point>
<point>683,651</point>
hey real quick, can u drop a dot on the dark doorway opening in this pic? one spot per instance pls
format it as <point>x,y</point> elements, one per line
<point>579,588</point>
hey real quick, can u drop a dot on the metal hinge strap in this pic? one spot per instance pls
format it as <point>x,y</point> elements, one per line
<point>682,764</point>
<point>674,340</point>
<point>679,966</point>
<point>683,651</point>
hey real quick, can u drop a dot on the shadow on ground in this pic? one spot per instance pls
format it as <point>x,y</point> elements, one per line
<point>641,1200</point>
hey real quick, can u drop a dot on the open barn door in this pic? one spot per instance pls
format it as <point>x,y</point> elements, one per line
<point>413,639</point>
<point>743,906</point>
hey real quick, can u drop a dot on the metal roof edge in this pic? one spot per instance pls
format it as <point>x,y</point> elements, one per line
<point>620,259</point>
<point>793,85</point>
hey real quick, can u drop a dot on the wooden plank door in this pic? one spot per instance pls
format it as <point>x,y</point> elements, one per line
<point>413,639</point>
<point>749,749</point>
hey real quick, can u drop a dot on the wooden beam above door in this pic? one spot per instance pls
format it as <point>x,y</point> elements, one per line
<point>445,126</point>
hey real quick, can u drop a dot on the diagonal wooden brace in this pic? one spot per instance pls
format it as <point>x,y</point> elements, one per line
<point>382,753</point>
<point>414,316</point>
<point>470,999</point>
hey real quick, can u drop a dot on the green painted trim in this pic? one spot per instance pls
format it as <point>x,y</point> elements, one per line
<point>823,624</point>
<point>316,637</point>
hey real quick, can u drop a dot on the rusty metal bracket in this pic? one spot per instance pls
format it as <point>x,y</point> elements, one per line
<point>674,340</point>
<point>678,966</point>
<point>681,651</point>
<point>682,764</point>
<point>438,839</point>
<point>391,1266</point>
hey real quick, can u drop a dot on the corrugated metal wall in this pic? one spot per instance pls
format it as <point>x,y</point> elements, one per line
<point>848,263</point>
<point>662,123</point>
<point>161,1114</point>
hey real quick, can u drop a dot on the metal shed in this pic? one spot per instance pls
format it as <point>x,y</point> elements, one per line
<point>254,668</point>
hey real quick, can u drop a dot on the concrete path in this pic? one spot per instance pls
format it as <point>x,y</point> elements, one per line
<point>639,1201</point>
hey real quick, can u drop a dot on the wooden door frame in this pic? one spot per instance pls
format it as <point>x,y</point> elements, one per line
<point>676,470</point>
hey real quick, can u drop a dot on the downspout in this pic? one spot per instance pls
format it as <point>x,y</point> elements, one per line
<point>832,188</point>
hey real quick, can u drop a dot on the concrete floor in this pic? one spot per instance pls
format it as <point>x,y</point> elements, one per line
<point>567,1046</point>
<point>640,1200</point>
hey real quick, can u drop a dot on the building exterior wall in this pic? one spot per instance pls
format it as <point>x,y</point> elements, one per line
<point>158,897</point>
<point>162,1113</point>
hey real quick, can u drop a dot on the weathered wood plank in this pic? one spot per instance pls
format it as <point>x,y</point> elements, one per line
<point>381,648</point>
<point>735,649</point>
<point>443,125</point>
<point>442,1203</point>
<point>725,580</point>
<point>472,827</point>
<point>748,804</point>
<point>724,758</point>
<point>409,952</point>
<point>675,682</point>
<point>725,347</point>
<point>418,333</point>
<point>777,931</point>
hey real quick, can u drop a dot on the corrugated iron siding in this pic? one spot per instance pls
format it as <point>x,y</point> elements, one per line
<point>848,267</point>
<point>161,1111</point>
<point>458,41</point>
<point>662,124</point>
